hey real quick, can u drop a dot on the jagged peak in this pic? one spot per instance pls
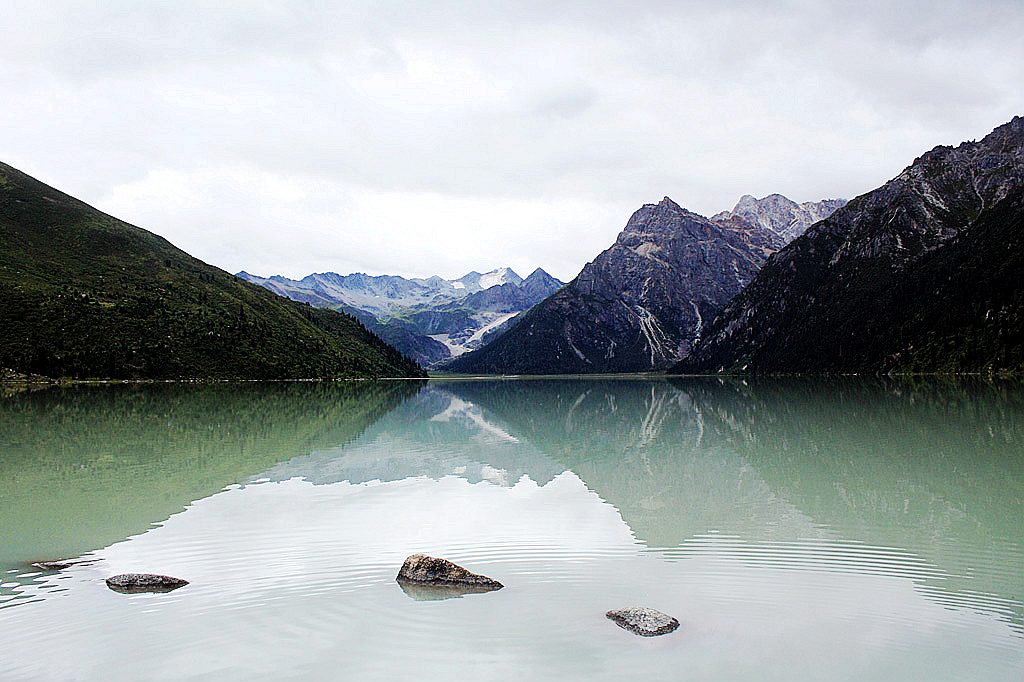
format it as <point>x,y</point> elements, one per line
<point>540,274</point>
<point>665,203</point>
<point>1004,140</point>
<point>749,200</point>
<point>1015,124</point>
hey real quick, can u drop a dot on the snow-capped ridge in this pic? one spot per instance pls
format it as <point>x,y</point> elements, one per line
<point>431,318</point>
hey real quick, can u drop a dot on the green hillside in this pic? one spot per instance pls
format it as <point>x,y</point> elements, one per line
<point>85,295</point>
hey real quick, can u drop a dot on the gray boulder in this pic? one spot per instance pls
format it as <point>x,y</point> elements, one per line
<point>426,570</point>
<point>130,583</point>
<point>644,622</point>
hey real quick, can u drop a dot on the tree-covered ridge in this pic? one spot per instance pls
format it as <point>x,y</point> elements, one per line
<point>85,295</point>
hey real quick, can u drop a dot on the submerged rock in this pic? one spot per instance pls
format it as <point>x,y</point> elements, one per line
<point>53,565</point>
<point>644,622</point>
<point>426,570</point>
<point>57,565</point>
<point>144,582</point>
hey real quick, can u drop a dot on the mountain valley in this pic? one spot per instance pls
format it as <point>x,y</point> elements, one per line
<point>432,319</point>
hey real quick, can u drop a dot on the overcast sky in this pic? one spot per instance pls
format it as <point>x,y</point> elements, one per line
<point>438,138</point>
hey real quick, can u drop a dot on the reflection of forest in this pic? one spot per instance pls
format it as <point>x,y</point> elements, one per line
<point>933,468</point>
<point>87,466</point>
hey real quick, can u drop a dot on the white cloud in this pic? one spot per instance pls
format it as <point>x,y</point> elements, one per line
<point>443,137</point>
<point>300,224</point>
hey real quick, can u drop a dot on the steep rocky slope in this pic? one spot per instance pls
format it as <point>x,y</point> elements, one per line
<point>922,274</point>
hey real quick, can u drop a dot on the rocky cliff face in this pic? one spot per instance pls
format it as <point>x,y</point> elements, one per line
<point>641,303</point>
<point>941,239</point>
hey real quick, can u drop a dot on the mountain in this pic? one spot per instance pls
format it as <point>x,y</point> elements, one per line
<point>780,215</point>
<point>923,274</point>
<point>382,295</point>
<point>85,295</point>
<point>641,304</point>
<point>474,281</point>
<point>430,320</point>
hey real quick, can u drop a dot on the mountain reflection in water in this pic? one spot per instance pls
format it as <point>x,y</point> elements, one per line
<point>796,521</point>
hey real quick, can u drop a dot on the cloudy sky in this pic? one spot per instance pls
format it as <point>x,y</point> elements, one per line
<point>436,137</point>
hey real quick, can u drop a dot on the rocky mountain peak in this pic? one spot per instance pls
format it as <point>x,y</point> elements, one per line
<point>498,277</point>
<point>656,222</point>
<point>539,275</point>
<point>779,215</point>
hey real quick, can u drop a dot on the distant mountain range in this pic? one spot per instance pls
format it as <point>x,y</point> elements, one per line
<point>85,295</point>
<point>924,274</point>
<point>431,320</point>
<point>643,302</point>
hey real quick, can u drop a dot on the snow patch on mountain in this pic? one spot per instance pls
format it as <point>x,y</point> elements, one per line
<point>498,277</point>
<point>493,324</point>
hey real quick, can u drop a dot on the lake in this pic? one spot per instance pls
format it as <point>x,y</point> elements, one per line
<point>799,529</point>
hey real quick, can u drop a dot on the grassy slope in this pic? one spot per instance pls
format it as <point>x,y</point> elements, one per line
<point>85,295</point>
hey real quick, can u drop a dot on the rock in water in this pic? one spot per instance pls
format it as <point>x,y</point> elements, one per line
<point>130,583</point>
<point>427,570</point>
<point>54,565</point>
<point>58,565</point>
<point>644,622</point>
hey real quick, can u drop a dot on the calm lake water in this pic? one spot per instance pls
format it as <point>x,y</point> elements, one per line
<point>798,529</point>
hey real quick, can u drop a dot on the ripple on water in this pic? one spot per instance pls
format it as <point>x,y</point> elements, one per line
<point>294,578</point>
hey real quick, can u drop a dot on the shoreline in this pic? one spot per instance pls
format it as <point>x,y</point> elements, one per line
<point>41,382</point>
